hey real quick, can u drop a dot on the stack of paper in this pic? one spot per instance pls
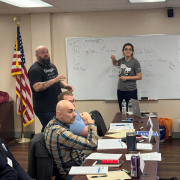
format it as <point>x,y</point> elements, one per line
<point>111,144</point>
<point>83,170</point>
<point>113,175</point>
<point>144,146</point>
<point>121,126</point>
<point>154,156</point>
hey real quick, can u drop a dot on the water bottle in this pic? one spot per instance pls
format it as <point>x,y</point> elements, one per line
<point>124,107</point>
<point>129,106</point>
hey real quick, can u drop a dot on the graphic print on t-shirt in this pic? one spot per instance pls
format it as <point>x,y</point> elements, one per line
<point>124,70</point>
<point>50,73</point>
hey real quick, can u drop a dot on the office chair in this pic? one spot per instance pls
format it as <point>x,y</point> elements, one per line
<point>40,162</point>
<point>99,121</point>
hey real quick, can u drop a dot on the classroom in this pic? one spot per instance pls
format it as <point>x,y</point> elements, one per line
<point>51,28</point>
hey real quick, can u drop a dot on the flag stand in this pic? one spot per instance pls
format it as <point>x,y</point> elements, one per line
<point>22,139</point>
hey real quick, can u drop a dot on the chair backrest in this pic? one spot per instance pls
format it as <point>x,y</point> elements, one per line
<point>40,162</point>
<point>99,121</point>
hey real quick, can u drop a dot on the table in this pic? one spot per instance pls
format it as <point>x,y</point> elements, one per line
<point>150,166</point>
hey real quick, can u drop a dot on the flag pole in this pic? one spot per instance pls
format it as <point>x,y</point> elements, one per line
<point>22,139</point>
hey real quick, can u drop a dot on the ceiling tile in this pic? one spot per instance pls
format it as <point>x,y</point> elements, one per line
<point>173,3</point>
<point>45,9</point>
<point>112,6</point>
<point>5,5</point>
<point>79,8</point>
<point>148,5</point>
<point>108,1</point>
<point>66,2</point>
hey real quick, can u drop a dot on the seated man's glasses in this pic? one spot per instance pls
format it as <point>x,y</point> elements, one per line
<point>72,101</point>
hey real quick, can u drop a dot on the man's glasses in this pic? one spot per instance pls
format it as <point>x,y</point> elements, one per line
<point>127,49</point>
<point>73,101</point>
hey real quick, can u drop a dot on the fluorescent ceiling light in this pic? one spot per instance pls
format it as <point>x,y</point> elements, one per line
<point>27,3</point>
<point>145,1</point>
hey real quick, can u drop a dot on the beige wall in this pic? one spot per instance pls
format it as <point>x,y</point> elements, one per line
<point>8,29</point>
<point>51,30</point>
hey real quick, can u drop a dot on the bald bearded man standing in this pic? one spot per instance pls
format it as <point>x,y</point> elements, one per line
<point>66,147</point>
<point>46,85</point>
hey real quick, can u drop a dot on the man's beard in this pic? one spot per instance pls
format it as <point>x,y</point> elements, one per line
<point>44,61</point>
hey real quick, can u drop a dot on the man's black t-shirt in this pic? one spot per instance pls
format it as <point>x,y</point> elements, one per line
<point>44,100</point>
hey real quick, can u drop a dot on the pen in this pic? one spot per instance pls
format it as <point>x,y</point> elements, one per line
<point>99,169</point>
<point>121,125</point>
<point>142,140</point>
<point>120,142</point>
<point>144,137</point>
<point>126,120</point>
<point>98,176</point>
<point>139,121</point>
<point>141,128</point>
<point>94,163</point>
<point>128,172</point>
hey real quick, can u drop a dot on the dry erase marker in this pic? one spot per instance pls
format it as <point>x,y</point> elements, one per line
<point>141,128</point>
<point>142,140</point>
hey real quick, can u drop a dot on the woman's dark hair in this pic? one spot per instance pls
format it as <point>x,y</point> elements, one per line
<point>128,44</point>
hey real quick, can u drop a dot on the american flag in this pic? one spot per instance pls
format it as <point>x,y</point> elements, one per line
<point>19,70</point>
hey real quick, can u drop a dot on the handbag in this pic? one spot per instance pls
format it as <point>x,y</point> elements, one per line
<point>167,122</point>
<point>4,97</point>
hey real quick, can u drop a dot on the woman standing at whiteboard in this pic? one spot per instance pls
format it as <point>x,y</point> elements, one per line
<point>129,72</point>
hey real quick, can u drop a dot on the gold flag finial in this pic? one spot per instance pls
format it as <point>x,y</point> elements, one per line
<point>17,18</point>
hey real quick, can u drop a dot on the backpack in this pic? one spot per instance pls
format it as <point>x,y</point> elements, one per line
<point>4,97</point>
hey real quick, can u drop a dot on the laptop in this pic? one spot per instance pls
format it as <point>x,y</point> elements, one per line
<point>136,110</point>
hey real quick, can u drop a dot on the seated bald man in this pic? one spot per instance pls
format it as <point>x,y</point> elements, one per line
<point>66,147</point>
<point>79,127</point>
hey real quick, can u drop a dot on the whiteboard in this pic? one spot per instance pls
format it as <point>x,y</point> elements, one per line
<point>91,73</point>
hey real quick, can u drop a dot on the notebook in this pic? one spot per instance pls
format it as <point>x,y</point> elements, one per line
<point>98,163</point>
<point>136,110</point>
